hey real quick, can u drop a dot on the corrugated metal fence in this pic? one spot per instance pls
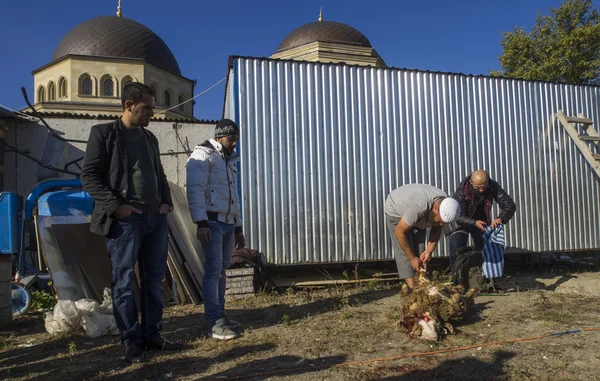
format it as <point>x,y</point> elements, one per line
<point>322,145</point>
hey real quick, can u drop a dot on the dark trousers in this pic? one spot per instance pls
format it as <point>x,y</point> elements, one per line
<point>141,238</point>
<point>459,239</point>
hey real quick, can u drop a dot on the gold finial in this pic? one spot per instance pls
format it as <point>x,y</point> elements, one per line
<point>321,15</point>
<point>119,14</point>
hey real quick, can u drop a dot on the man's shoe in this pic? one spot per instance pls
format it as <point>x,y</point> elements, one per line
<point>133,353</point>
<point>159,343</point>
<point>231,323</point>
<point>221,331</point>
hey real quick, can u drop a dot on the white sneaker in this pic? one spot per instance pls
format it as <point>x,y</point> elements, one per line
<point>221,331</point>
<point>230,322</point>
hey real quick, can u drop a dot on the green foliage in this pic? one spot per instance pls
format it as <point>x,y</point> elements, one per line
<point>42,300</point>
<point>562,47</point>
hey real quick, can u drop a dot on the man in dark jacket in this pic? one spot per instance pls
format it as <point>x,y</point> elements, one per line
<point>475,196</point>
<point>123,174</point>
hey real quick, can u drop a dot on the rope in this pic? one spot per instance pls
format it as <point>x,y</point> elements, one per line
<point>418,354</point>
<point>189,100</point>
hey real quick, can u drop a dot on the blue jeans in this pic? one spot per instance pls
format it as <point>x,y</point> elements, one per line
<point>217,257</point>
<point>459,239</point>
<point>141,238</point>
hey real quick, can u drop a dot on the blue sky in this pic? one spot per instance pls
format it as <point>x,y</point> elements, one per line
<point>454,36</point>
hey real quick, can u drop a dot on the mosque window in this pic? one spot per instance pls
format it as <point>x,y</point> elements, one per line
<point>41,94</point>
<point>167,99</point>
<point>108,87</point>
<point>86,86</point>
<point>51,91</point>
<point>180,100</point>
<point>127,80</point>
<point>62,87</point>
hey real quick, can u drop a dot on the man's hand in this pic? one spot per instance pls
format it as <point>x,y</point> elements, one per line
<point>126,211</point>
<point>415,263</point>
<point>425,256</point>
<point>497,222</point>
<point>240,241</point>
<point>480,225</point>
<point>165,209</point>
<point>204,235</point>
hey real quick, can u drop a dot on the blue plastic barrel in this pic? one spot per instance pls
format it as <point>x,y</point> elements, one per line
<point>10,211</point>
<point>71,202</point>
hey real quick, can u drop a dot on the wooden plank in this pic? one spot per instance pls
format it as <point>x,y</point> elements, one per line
<point>241,290</point>
<point>185,277</point>
<point>589,138</point>
<point>183,230</point>
<point>575,119</point>
<point>184,298</point>
<point>239,272</point>
<point>333,282</point>
<point>585,150</point>
<point>241,285</point>
<point>240,279</point>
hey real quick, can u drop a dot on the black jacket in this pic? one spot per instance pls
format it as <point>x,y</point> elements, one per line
<point>104,173</point>
<point>466,200</point>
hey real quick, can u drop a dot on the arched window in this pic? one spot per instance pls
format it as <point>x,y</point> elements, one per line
<point>155,92</point>
<point>108,87</point>
<point>180,100</point>
<point>51,91</point>
<point>126,81</point>
<point>86,85</point>
<point>167,99</point>
<point>62,87</point>
<point>41,95</point>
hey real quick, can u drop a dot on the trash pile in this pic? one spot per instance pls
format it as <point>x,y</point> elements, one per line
<point>96,319</point>
<point>430,308</point>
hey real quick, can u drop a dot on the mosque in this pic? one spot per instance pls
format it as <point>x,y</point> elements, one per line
<point>81,86</point>
<point>98,57</point>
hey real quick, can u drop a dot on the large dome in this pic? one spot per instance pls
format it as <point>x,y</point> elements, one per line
<point>324,31</point>
<point>113,36</point>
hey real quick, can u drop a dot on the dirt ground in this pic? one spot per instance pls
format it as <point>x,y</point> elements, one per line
<point>310,333</point>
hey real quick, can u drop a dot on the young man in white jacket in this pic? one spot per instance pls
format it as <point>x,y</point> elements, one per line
<point>215,208</point>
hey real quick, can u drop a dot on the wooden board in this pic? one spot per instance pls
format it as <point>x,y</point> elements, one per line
<point>183,230</point>
<point>186,280</point>
<point>183,296</point>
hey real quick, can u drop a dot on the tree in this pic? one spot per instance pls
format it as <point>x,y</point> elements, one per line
<point>562,47</point>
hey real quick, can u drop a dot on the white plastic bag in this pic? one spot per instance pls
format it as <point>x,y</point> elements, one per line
<point>66,311</point>
<point>54,326</point>
<point>98,324</point>
<point>87,306</point>
<point>68,316</point>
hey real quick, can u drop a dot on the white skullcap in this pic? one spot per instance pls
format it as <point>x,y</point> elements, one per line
<point>449,210</point>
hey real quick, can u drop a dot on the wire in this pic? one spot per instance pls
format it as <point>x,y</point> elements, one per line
<point>418,354</point>
<point>50,130</point>
<point>192,98</point>
<point>47,166</point>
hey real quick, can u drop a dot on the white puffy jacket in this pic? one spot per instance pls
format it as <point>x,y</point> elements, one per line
<point>212,185</point>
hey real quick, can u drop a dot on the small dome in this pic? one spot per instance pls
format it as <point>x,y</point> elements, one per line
<point>113,36</point>
<point>324,31</point>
